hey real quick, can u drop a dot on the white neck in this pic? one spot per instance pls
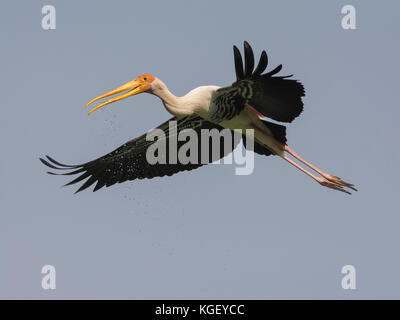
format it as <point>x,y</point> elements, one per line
<point>197,100</point>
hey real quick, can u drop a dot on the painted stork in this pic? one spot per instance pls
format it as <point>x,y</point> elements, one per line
<point>246,104</point>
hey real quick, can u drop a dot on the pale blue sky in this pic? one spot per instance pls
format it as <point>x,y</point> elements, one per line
<point>206,233</point>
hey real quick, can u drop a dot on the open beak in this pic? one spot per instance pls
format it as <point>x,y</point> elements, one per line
<point>135,86</point>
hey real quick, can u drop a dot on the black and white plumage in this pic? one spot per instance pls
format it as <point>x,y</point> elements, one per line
<point>276,97</point>
<point>128,162</point>
<point>246,104</point>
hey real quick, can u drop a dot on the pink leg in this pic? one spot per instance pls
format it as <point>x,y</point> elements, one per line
<point>327,176</point>
<point>322,181</point>
<point>328,180</point>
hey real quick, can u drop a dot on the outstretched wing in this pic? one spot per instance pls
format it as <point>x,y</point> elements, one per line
<point>129,161</point>
<point>276,97</point>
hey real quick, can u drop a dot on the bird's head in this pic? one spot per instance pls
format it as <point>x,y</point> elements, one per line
<point>141,84</point>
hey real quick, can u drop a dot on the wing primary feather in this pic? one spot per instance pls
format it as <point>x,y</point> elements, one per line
<point>262,64</point>
<point>100,184</point>
<point>238,63</point>
<point>50,165</point>
<point>81,177</point>
<point>60,164</point>
<point>271,73</point>
<point>248,60</point>
<point>87,184</point>
<point>68,173</point>
<point>101,180</point>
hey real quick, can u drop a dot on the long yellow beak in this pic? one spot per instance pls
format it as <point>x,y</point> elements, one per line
<point>135,86</point>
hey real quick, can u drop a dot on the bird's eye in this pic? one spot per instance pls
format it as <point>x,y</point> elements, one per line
<point>145,78</point>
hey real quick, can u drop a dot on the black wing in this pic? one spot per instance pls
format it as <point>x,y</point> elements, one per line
<point>276,97</point>
<point>129,162</point>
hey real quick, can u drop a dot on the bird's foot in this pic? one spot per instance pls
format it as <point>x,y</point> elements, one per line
<point>332,185</point>
<point>339,181</point>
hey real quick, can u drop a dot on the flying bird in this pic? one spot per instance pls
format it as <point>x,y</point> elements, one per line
<point>253,98</point>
